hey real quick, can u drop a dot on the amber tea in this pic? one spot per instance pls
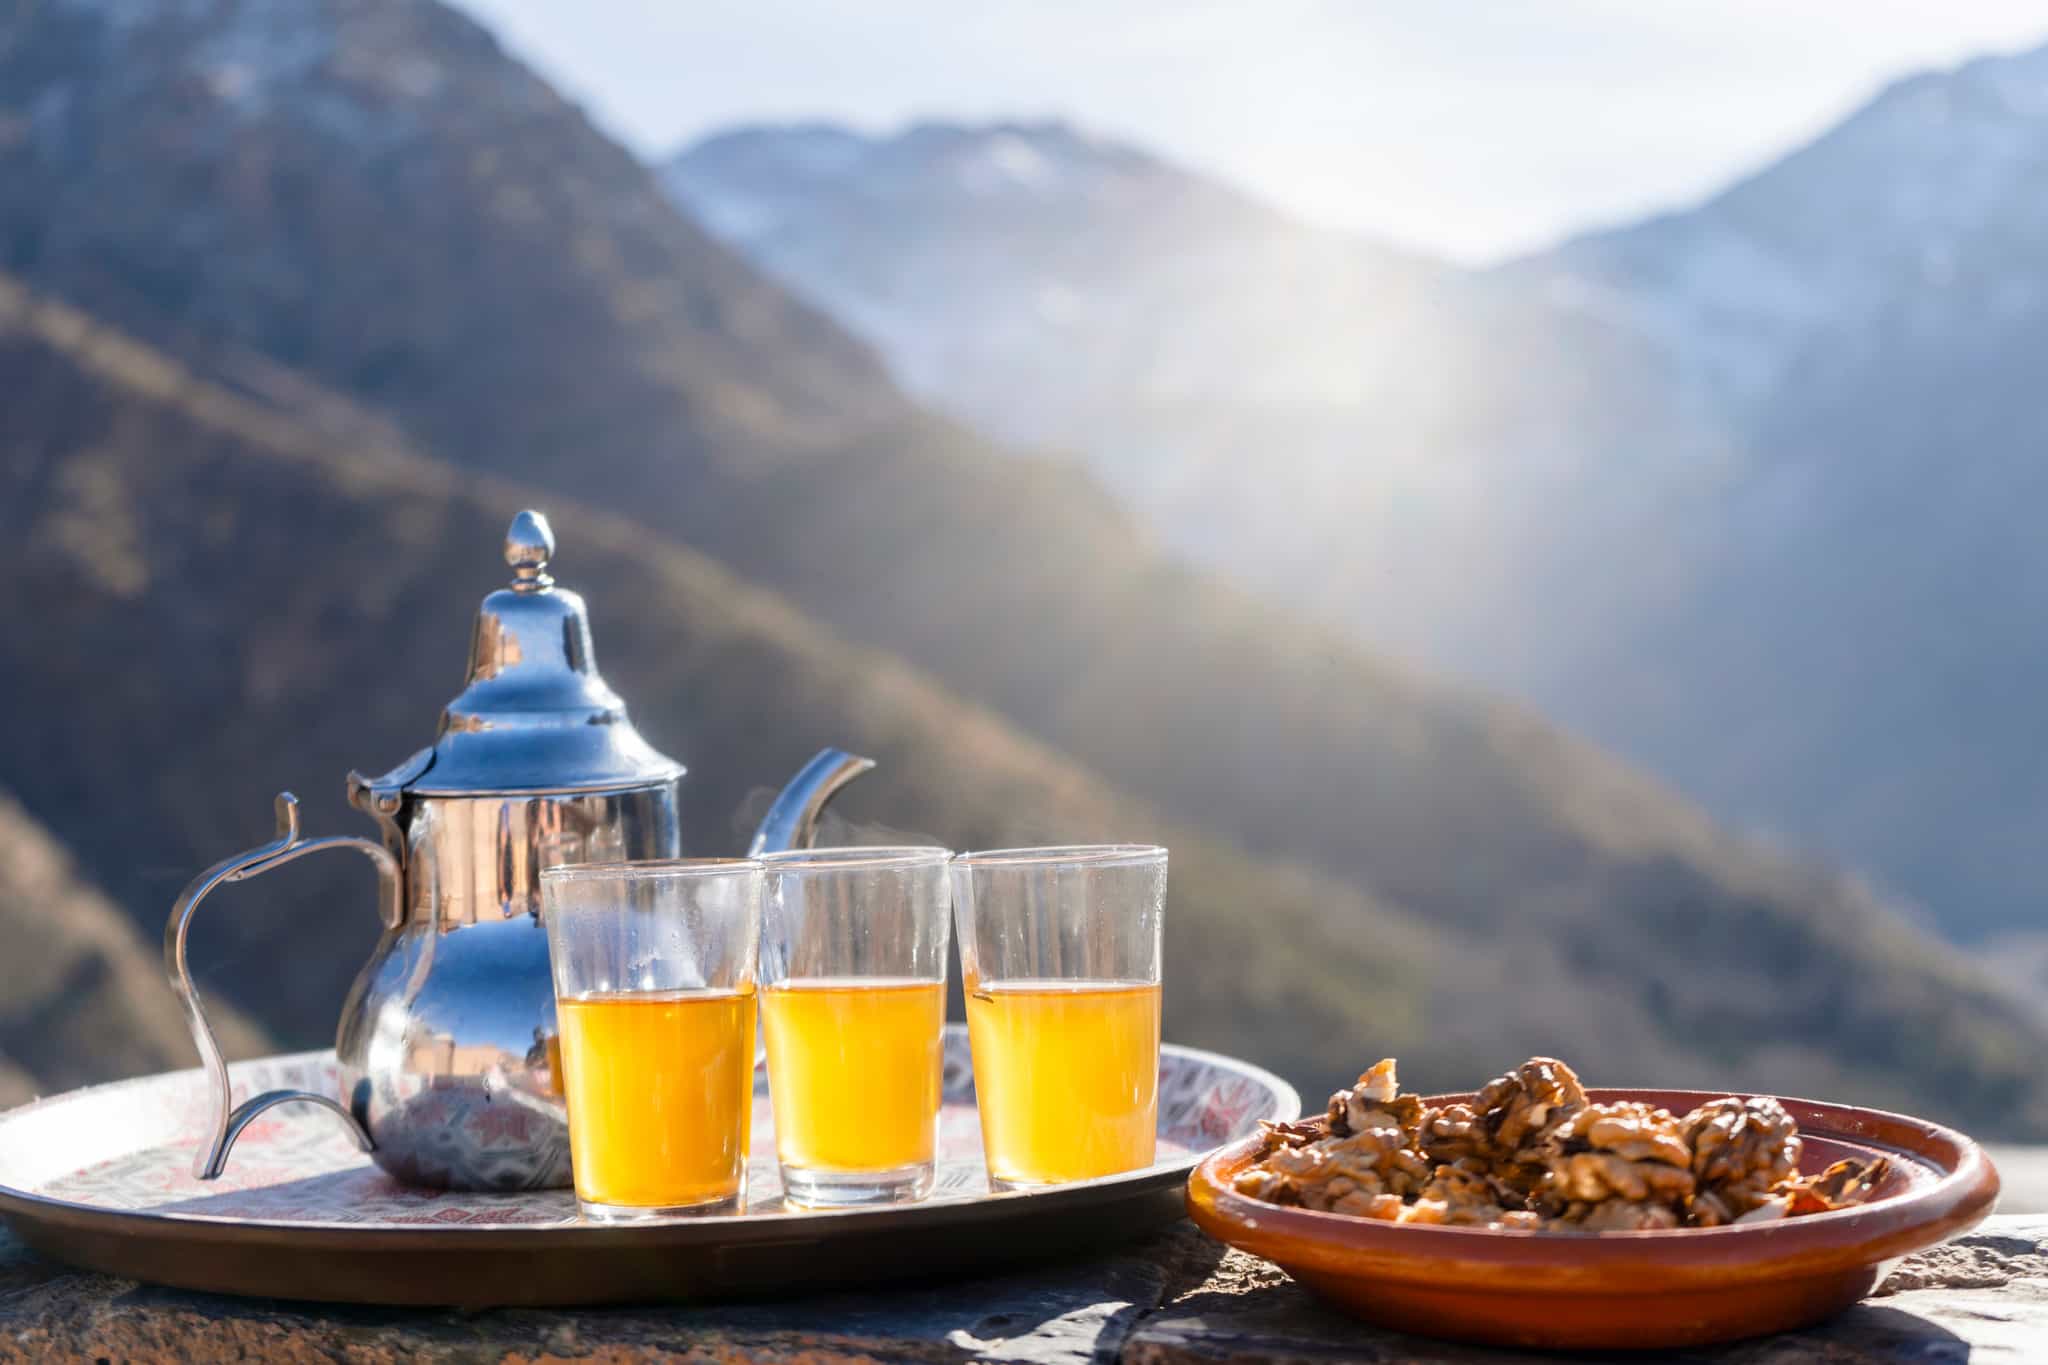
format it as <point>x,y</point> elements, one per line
<point>854,1066</point>
<point>1067,1076</point>
<point>660,1087</point>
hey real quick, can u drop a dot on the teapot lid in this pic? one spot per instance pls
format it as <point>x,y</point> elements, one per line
<point>535,716</point>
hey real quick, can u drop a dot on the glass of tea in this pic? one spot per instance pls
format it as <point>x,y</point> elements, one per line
<point>853,1002</point>
<point>654,966</point>
<point>1059,954</point>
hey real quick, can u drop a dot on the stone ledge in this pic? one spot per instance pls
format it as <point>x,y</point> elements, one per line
<point>1177,1298</point>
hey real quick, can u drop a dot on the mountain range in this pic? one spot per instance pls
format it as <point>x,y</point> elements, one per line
<point>1742,491</point>
<point>303,298</point>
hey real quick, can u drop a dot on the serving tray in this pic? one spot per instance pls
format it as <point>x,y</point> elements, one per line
<point>102,1178</point>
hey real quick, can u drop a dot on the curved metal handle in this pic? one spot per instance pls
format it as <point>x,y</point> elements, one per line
<point>228,1122</point>
<point>792,821</point>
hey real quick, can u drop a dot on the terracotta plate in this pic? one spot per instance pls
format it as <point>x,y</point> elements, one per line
<point>1624,1289</point>
<point>102,1178</point>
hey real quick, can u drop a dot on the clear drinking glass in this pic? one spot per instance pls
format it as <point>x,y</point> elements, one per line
<point>1059,952</point>
<point>654,996</point>
<point>853,1002</point>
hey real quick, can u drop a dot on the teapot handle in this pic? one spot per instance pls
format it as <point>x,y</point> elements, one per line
<point>228,1122</point>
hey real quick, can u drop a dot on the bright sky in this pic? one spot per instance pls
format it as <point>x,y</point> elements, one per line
<point>1468,128</point>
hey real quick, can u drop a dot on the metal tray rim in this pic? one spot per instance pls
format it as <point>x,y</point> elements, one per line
<point>717,1228</point>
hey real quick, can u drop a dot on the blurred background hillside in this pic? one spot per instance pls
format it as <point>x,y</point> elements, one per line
<point>1561,577</point>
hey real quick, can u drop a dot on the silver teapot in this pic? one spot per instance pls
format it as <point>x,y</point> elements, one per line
<point>447,1059</point>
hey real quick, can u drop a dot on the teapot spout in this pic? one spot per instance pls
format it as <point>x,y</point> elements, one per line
<point>792,821</point>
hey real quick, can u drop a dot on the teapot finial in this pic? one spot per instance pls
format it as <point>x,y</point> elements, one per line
<point>529,545</point>
<point>534,714</point>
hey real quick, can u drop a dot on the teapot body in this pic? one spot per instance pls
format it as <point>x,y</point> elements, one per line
<point>447,1044</point>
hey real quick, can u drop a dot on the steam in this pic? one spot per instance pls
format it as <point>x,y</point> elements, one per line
<point>834,829</point>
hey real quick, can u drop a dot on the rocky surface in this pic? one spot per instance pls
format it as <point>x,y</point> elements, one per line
<point>1179,1297</point>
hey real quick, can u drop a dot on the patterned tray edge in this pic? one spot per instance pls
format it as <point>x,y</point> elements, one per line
<point>32,1178</point>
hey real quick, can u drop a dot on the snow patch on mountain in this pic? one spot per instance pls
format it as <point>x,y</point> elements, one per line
<point>737,218</point>
<point>265,49</point>
<point>1005,161</point>
<point>249,52</point>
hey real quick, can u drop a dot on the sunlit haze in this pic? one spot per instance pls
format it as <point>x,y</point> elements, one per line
<point>1463,128</point>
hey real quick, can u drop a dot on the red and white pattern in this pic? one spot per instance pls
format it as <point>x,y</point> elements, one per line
<point>130,1146</point>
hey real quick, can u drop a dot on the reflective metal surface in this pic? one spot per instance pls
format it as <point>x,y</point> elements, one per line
<point>534,714</point>
<point>449,1058</point>
<point>95,1177</point>
<point>475,860</point>
<point>447,1044</point>
<point>791,822</point>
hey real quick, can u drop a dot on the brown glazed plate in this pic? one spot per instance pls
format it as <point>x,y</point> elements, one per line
<point>101,1178</point>
<point>1614,1290</point>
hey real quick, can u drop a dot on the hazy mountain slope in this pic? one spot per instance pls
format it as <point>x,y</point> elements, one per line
<point>372,192</point>
<point>283,607</point>
<point>83,997</point>
<point>1215,363</point>
<point>1382,442</point>
<point>1744,491</point>
<point>1874,307</point>
<point>1032,278</point>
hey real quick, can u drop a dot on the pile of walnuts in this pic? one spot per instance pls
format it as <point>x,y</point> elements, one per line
<point>1531,1151</point>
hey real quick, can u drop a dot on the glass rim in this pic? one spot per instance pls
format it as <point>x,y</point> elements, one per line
<point>649,869</point>
<point>855,858</point>
<point>1073,855</point>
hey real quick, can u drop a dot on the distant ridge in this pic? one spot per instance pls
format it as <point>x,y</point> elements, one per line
<point>1018,272</point>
